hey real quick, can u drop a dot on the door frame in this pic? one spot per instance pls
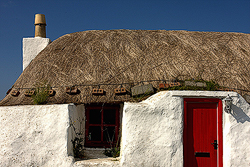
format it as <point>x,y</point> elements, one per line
<point>219,125</point>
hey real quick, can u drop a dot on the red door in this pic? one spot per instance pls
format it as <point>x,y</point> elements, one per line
<point>202,132</point>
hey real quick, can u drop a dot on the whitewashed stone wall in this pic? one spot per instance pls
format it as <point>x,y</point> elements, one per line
<point>31,48</point>
<point>77,127</point>
<point>34,135</point>
<point>152,130</point>
<point>236,134</point>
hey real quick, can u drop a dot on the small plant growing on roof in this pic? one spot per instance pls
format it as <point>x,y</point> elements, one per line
<point>194,85</point>
<point>42,92</point>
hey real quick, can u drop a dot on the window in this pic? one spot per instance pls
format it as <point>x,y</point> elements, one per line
<point>102,126</point>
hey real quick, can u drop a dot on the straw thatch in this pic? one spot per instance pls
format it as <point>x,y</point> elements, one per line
<point>129,56</point>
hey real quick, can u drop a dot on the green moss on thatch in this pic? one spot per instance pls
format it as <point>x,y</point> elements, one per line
<point>41,93</point>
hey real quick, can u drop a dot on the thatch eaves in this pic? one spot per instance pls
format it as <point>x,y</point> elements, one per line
<point>109,58</point>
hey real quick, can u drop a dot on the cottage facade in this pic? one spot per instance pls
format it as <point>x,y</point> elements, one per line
<point>114,87</point>
<point>152,132</point>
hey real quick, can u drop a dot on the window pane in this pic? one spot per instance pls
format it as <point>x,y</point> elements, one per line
<point>109,116</point>
<point>94,133</point>
<point>95,116</point>
<point>109,134</point>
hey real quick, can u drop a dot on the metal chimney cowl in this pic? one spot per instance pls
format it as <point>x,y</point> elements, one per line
<point>40,25</point>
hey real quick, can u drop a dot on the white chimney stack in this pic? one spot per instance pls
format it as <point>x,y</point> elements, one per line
<point>33,46</point>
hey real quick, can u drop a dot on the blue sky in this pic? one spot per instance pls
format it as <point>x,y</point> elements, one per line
<point>63,17</point>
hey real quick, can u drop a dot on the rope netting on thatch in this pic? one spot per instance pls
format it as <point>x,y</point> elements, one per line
<point>130,56</point>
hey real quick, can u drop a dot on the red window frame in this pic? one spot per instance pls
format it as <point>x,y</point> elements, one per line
<point>102,142</point>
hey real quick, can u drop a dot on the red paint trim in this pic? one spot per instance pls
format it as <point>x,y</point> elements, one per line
<point>219,125</point>
<point>195,100</point>
<point>101,143</point>
<point>185,131</point>
<point>220,133</point>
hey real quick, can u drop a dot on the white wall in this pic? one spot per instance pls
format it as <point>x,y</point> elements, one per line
<point>77,125</point>
<point>34,135</point>
<point>236,134</point>
<point>152,130</point>
<point>31,48</point>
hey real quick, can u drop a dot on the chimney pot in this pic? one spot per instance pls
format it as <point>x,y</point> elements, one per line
<point>40,25</point>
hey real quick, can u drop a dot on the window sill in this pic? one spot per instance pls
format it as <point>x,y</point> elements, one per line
<point>104,162</point>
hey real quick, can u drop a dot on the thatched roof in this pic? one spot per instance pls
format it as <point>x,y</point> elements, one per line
<point>112,57</point>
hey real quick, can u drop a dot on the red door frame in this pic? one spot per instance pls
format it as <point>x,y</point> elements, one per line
<point>87,124</point>
<point>219,125</point>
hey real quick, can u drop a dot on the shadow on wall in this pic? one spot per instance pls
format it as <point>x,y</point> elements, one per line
<point>239,114</point>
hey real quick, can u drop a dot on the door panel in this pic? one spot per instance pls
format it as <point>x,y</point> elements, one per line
<point>202,132</point>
